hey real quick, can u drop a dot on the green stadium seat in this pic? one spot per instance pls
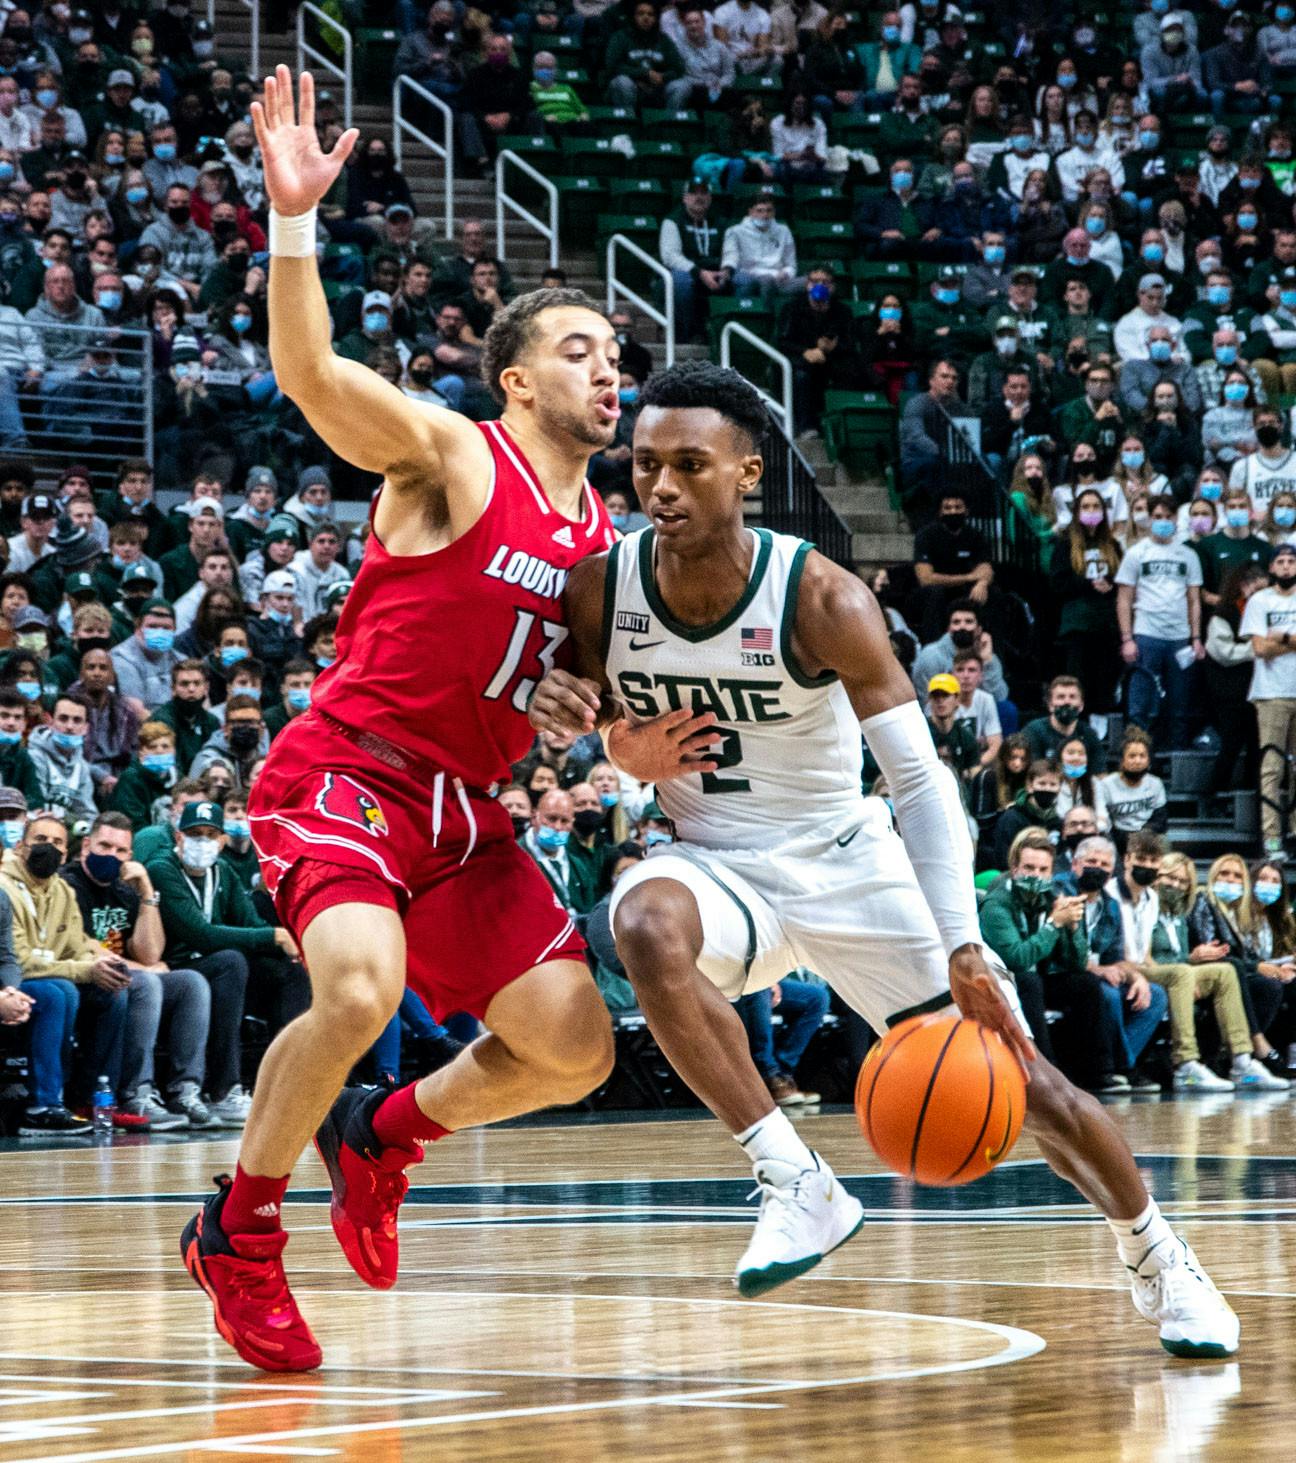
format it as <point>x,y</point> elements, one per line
<point>528,145</point>
<point>660,159</point>
<point>614,119</point>
<point>642,195</point>
<point>757,316</point>
<point>580,201</point>
<point>820,202</point>
<point>875,277</point>
<point>683,127</point>
<point>815,240</point>
<point>375,54</point>
<point>745,194</point>
<point>593,155</point>
<point>859,429</point>
<point>641,228</point>
<point>767,85</point>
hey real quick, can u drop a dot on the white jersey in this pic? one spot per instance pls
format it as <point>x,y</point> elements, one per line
<point>791,763</point>
<point>1262,479</point>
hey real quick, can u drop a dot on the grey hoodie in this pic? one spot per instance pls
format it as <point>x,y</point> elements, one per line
<point>217,749</point>
<point>65,777</point>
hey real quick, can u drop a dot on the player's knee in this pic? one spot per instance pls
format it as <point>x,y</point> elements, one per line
<point>576,1052</point>
<point>356,1005</point>
<point>657,933</point>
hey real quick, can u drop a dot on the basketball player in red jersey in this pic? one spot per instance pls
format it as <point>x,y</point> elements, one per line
<point>379,838</point>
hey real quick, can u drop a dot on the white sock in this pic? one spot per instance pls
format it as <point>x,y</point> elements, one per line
<point>774,1137</point>
<point>1146,1244</point>
<point>1241,1061</point>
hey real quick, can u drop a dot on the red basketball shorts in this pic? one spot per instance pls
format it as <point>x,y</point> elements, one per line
<point>333,824</point>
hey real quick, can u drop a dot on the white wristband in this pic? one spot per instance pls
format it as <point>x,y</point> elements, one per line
<point>293,237</point>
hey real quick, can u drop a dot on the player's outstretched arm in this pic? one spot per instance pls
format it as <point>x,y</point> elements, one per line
<point>839,627</point>
<point>363,418</point>
<point>653,751</point>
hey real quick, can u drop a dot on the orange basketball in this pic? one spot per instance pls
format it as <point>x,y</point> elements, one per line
<point>941,1099</point>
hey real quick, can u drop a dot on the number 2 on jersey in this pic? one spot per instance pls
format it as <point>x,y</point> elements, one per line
<point>508,667</point>
<point>728,754</point>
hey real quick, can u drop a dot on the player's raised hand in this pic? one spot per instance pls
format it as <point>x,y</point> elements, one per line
<point>976,993</point>
<point>673,745</point>
<point>298,173</point>
<point>564,703</point>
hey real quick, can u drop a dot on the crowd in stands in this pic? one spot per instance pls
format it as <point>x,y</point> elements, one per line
<point>1069,231</point>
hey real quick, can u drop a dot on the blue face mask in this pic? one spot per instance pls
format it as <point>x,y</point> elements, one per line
<point>1268,893</point>
<point>1073,772</point>
<point>165,152</point>
<point>619,521</point>
<point>158,639</point>
<point>890,34</point>
<point>299,698</point>
<point>324,661</point>
<point>551,839</point>
<point>1022,142</point>
<point>1133,459</point>
<point>1283,13</point>
<point>11,832</point>
<point>68,741</point>
<point>109,300</point>
<point>1218,294</point>
<point>318,511</point>
<point>103,868</point>
<point>6,172</point>
<point>1066,82</point>
<point>544,75</point>
<point>1149,141</point>
<point>1153,253</point>
<point>1159,350</point>
<point>1084,139</point>
<point>1247,221</point>
<point>1250,184</point>
<point>1226,893</point>
<point>1284,517</point>
<point>28,690</point>
<point>158,761</point>
<point>1237,517</point>
<point>1163,528</point>
<point>46,97</point>
<point>820,293</point>
<point>238,827</point>
<point>1095,225</point>
<point>115,159</point>
<point>280,617</point>
<point>241,324</point>
<point>947,297</point>
<point>1075,261</point>
<point>993,253</point>
<point>375,321</point>
<point>1158,7</point>
<point>628,395</point>
<point>1226,354</point>
<point>656,837</point>
<point>136,195</point>
<point>1210,491</point>
<point>890,312</point>
<point>1235,391</point>
<point>901,182</point>
<point>1288,299</point>
<point>10,739</point>
<point>609,799</point>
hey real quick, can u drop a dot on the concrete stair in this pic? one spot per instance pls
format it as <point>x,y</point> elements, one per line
<point>880,535</point>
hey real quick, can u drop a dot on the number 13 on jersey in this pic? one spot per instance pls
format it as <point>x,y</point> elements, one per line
<point>507,672</point>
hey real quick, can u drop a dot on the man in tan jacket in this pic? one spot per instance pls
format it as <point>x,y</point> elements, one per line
<point>61,965</point>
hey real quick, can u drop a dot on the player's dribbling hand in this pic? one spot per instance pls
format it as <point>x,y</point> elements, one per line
<point>564,703</point>
<point>976,993</point>
<point>297,172</point>
<point>673,745</point>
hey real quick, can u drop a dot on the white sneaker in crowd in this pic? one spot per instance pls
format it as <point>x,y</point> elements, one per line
<point>146,1103</point>
<point>1249,1075</point>
<point>187,1100</point>
<point>232,1110</point>
<point>1198,1077</point>
<point>804,1215</point>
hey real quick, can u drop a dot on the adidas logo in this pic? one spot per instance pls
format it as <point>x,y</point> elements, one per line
<point>564,537</point>
<point>266,1211</point>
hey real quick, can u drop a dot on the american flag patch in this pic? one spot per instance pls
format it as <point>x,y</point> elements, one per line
<point>762,639</point>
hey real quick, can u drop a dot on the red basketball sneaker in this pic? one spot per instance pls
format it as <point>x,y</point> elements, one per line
<point>244,1278</point>
<point>369,1183</point>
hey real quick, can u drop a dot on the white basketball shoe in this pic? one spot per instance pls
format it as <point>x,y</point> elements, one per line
<point>1194,1318</point>
<point>804,1215</point>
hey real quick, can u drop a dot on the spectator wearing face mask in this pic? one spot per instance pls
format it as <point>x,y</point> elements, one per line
<point>1133,799</point>
<point>1275,336</point>
<point>149,778</point>
<point>1093,418</point>
<point>953,569</point>
<point>547,842</point>
<point>1140,378</point>
<point>1034,807</point>
<point>238,745</point>
<point>1269,623</point>
<point>1065,699</point>
<point>818,335</point>
<point>1229,666</point>
<point>58,753</point>
<point>964,632</point>
<point>1158,606</point>
<point>17,770</point>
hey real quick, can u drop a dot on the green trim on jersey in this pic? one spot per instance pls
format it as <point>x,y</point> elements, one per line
<point>792,664</point>
<point>609,598</point>
<point>695,633</point>
<point>680,852</point>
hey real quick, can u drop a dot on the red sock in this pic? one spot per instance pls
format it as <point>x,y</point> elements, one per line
<point>252,1204</point>
<point>400,1120</point>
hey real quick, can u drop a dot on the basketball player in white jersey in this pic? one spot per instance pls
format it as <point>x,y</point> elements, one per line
<point>780,860</point>
<point>1271,468</point>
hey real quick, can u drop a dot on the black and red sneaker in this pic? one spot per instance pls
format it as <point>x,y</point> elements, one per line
<point>368,1181</point>
<point>244,1278</point>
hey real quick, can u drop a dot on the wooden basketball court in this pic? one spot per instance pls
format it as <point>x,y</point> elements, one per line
<point>565,1296</point>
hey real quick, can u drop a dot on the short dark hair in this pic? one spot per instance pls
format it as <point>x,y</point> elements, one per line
<point>132,465</point>
<point>704,384</point>
<point>242,703</point>
<point>1042,767</point>
<point>248,666</point>
<point>11,471</point>
<point>76,699</point>
<point>1142,844</point>
<point>298,667</point>
<point>961,606</point>
<point>513,329</point>
<point>190,665</point>
<point>11,700</point>
<point>119,821</point>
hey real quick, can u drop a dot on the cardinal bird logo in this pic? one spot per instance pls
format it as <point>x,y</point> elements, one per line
<point>343,799</point>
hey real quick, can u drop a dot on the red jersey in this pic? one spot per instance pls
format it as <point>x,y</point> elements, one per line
<point>440,652</point>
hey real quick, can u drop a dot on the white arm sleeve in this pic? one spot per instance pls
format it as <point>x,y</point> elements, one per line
<point>931,819</point>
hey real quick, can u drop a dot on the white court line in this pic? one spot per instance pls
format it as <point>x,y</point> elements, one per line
<point>1019,1345</point>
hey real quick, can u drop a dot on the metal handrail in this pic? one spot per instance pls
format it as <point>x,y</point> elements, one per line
<point>321,59</point>
<point>444,150</point>
<point>505,201</point>
<point>784,407</point>
<point>617,287</point>
<point>254,50</point>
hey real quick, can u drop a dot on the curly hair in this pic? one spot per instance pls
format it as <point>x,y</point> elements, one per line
<point>704,384</point>
<point>513,330</point>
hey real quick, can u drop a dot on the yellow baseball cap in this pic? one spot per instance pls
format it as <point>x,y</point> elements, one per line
<point>943,682</point>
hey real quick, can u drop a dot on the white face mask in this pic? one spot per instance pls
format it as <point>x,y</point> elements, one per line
<point>198,853</point>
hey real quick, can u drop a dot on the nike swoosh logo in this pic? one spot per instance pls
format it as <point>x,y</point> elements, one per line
<point>842,842</point>
<point>645,644</point>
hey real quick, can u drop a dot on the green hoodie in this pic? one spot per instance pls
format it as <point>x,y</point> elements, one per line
<point>1023,937</point>
<point>190,935</point>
